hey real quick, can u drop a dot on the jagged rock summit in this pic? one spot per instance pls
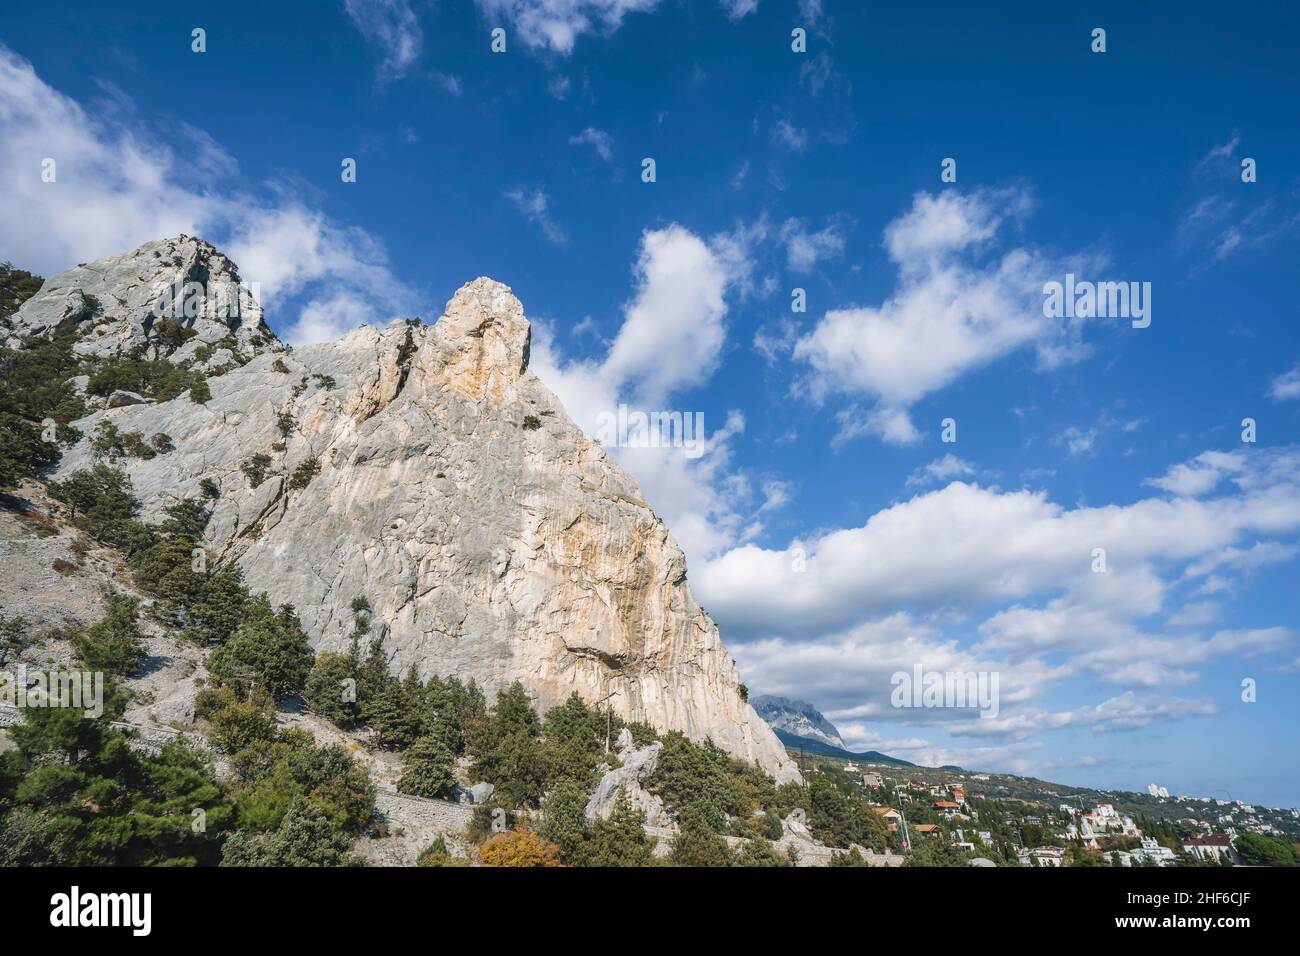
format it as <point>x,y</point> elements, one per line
<point>798,718</point>
<point>119,305</point>
<point>428,470</point>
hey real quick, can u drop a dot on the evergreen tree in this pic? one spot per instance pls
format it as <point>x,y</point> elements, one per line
<point>328,691</point>
<point>759,852</point>
<point>113,644</point>
<point>427,769</point>
<point>621,839</point>
<point>697,842</point>
<point>564,821</point>
<point>269,649</point>
<point>303,838</point>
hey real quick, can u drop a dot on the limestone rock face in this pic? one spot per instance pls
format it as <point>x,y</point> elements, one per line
<point>638,765</point>
<point>440,479</point>
<point>118,304</point>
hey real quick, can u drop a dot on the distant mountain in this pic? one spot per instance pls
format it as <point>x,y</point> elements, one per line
<point>797,718</point>
<point>821,749</point>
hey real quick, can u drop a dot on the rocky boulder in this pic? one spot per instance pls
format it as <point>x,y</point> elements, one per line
<point>637,767</point>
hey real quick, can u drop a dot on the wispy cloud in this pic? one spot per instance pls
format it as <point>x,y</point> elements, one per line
<point>392,28</point>
<point>598,140</point>
<point>556,25</point>
<point>534,206</point>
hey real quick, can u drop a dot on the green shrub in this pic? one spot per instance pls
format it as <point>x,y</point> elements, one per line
<point>307,469</point>
<point>255,468</point>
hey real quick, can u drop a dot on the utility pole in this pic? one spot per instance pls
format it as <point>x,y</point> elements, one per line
<point>907,839</point>
<point>608,717</point>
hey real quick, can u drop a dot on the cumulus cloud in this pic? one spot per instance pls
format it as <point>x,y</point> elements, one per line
<point>115,187</point>
<point>291,249</point>
<point>673,329</point>
<point>998,547</point>
<point>121,185</point>
<point>966,579</point>
<point>1201,475</point>
<point>970,579</point>
<point>670,342</point>
<point>958,305</point>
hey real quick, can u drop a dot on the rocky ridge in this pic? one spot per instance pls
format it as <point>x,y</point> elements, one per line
<point>119,305</point>
<point>427,469</point>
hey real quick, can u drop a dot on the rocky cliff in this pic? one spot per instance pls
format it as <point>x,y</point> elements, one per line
<point>427,469</point>
<point>125,304</point>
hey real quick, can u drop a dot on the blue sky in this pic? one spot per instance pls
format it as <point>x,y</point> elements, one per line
<point>820,170</point>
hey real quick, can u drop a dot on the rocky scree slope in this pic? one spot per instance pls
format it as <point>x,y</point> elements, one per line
<point>427,469</point>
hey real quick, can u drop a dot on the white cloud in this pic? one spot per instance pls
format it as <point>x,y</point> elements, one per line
<point>950,313</point>
<point>290,249</point>
<point>555,25</point>
<point>738,9</point>
<point>597,139</point>
<point>966,579</point>
<point>785,133</point>
<point>673,330</point>
<point>1201,475</point>
<point>534,207</point>
<point>115,187</point>
<point>123,184</point>
<point>1017,550</point>
<point>1286,386</point>
<point>325,319</point>
<point>392,27</point>
<point>940,471</point>
<point>670,341</point>
<point>805,249</point>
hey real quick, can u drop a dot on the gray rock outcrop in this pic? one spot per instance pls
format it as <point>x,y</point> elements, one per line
<point>638,765</point>
<point>118,304</point>
<point>427,469</point>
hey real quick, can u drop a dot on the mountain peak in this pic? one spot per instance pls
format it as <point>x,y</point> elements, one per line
<point>121,305</point>
<point>797,718</point>
<point>427,469</point>
<point>484,338</point>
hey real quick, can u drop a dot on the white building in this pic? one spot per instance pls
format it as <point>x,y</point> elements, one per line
<point>1214,846</point>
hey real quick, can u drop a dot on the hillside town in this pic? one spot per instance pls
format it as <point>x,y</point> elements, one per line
<point>949,817</point>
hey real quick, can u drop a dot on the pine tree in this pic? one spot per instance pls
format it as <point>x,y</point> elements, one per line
<point>427,769</point>
<point>621,839</point>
